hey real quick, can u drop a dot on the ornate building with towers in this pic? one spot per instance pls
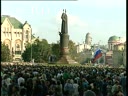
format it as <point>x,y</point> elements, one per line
<point>15,35</point>
<point>114,40</point>
<point>116,56</point>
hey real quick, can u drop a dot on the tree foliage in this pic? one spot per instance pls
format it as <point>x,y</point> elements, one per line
<point>39,51</point>
<point>5,53</point>
<point>72,49</point>
<point>101,60</point>
<point>55,48</point>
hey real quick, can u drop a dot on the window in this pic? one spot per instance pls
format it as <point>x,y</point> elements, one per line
<point>18,52</point>
<point>26,34</point>
<point>4,29</point>
<point>5,34</point>
<point>7,29</point>
<point>16,34</point>
<point>17,46</point>
<point>8,34</point>
<point>7,45</point>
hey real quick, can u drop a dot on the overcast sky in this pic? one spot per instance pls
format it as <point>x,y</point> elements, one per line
<point>101,18</point>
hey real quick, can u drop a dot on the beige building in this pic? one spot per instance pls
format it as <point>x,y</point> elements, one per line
<point>83,47</point>
<point>114,40</point>
<point>15,35</point>
<point>118,55</point>
<point>108,58</point>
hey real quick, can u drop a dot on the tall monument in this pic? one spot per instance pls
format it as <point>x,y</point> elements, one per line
<point>64,40</point>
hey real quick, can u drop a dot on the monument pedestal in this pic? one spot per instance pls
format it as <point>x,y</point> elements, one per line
<point>66,59</point>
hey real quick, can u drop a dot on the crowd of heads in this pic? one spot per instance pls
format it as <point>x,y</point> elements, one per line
<point>40,80</point>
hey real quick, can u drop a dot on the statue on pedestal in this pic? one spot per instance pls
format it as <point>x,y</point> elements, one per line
<point>64,40</point>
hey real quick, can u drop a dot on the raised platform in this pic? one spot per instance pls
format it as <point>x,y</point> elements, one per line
<point>66,59</point>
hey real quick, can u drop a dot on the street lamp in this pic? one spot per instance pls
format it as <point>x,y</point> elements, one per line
<point>32,35</point>
<point>31,50</point>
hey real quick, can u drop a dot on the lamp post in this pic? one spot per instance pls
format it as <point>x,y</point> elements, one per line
<point>31,46</point>
<point>32,35</point>
<point>31,50</point>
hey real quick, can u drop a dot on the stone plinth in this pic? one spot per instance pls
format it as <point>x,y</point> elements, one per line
<point>66,59</point>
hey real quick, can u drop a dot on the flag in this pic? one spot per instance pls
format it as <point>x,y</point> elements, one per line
<point>97,55</point>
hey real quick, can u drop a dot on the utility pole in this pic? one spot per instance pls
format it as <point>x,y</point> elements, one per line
<point>31,46</point>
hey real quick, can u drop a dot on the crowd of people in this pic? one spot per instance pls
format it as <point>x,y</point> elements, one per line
<point>40,80</point>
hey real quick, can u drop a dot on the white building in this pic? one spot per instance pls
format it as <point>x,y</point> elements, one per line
<point>86,45</point>
<point>82,47</point>
<point>15,35</point>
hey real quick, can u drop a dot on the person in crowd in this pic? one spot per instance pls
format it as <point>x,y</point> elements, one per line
<point>76,87</point>
<point>89,92</point>
<point>41,80</point>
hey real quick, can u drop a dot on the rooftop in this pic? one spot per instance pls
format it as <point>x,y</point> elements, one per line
<point>16,23</point>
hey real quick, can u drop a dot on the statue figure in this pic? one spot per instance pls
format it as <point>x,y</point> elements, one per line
<point>64,26</point>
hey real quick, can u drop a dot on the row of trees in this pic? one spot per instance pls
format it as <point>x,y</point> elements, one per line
<point>40,50</point>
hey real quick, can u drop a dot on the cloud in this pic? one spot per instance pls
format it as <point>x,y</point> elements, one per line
<point>73,21</point>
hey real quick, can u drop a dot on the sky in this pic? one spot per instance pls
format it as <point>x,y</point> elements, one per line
<point>101,18</point>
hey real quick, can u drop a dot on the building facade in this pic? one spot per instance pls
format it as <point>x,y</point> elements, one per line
<point>83,47</point>
<point>86,44</point>
<point>114,40</point>
<point>114,56</point>
<point>118,55</point>
<point>108,58</point>
<point>15,35</point>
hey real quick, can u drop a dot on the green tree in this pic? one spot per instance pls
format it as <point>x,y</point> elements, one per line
<point>27,53</point>
<point>40,51</point>
<point>101,60</point>
<point>72,49</point>
<point>5,53</point>
<point>55,48</point>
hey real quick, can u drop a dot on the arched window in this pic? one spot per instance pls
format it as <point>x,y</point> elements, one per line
<point>17,46</point>
<point>7,45</point>
<point>18,50</point>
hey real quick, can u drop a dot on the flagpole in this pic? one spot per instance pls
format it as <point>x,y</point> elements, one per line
<point>98,48</point>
